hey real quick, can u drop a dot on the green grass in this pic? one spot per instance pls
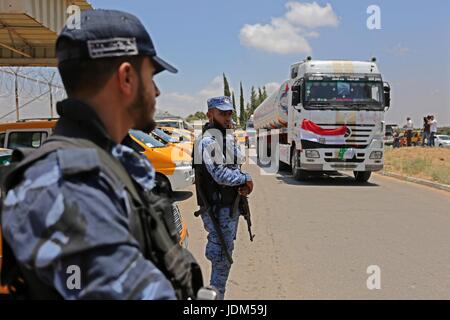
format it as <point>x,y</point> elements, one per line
<point>429,164</point>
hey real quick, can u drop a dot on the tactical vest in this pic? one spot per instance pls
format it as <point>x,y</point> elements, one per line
<point>216,194</point>
<point>150,223</point>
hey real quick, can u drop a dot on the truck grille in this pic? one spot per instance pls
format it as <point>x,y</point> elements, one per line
<point>177,219</point>
<point>360,135</point>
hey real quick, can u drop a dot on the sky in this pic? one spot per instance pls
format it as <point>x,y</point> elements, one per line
<point>255,41</point>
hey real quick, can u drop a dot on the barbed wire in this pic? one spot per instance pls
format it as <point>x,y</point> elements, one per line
<point>34,86</point>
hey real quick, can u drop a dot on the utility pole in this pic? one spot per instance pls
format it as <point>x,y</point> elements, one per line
<point>16,90</point>
<point>51,95</point>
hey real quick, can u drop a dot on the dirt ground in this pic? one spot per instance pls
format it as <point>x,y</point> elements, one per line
<point>426,163</point>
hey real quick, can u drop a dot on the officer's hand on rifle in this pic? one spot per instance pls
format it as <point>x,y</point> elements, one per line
<point>246,189</point>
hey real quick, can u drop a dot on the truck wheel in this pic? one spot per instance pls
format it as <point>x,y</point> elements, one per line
<point>362,176</point>
<point>283,166</point>
<point>297,173</point>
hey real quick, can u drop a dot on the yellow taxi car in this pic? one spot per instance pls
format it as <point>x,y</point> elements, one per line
<point>179,134</point>
<point>163,137</point>
<point>171,163</point>
<point>240,136</point>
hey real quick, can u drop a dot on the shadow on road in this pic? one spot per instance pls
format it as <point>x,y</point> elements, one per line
<point>182,195</point>
<point>329,179</point>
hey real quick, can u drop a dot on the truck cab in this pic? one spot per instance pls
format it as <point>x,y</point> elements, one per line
<point>331,116</point>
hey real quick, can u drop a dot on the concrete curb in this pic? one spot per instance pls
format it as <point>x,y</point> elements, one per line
<point>423,182</point>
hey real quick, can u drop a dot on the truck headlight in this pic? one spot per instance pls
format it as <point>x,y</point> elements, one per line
<point>312,154</point>
<point>377,143</point>
<point>376,155</point>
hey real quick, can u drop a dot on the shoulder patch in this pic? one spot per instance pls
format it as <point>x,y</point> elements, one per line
<point>75,160</point>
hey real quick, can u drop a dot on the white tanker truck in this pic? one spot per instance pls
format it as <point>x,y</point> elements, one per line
<point>329,116</point>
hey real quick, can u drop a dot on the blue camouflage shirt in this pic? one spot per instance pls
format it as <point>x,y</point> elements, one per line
<point>53,224</point>
<point>224,170</point>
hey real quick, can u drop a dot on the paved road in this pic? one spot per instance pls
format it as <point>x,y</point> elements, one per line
<point>315,240</point>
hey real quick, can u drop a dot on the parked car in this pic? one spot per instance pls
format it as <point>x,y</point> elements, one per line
<point>416,139</point>
<point>179,134</point>
<point>165,138</point>
<point>389,134</point>
<point>172,165</point>
<point>442,140</point>
<point>25,133</point>
<point>174,123</point>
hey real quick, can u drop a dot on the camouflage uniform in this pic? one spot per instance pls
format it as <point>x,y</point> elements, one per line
<point>53,222</point>
<point>226,174</point>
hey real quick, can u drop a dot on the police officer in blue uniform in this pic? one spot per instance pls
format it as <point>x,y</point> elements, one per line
<point>68,209</point>
<point>219,180</point>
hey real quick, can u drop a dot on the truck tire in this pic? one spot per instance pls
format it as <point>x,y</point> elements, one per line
<point>297,173</point>
<point>283,166</point>
<point>362,176</point>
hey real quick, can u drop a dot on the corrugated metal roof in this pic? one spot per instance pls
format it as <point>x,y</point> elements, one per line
<point>28,30</point>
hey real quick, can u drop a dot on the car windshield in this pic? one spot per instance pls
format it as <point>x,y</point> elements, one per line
<point>164,136</point>
<point>444,137</point>
<point>349,92</point>
<point>170,124</point>
<point>144,138</point>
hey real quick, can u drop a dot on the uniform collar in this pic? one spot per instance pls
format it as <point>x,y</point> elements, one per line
<point>79,120</point>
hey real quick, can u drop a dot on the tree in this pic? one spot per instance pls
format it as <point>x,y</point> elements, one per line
<point>260,96</point>
<point>248,110</point>
<point>197,116</point>
<point>226,87</point>
<point>265,93</point>
<point>253,100</point>
<point>242,113</point>
<point>234,107</point>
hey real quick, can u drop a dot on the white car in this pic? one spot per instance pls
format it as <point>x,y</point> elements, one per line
<point>442,140</point>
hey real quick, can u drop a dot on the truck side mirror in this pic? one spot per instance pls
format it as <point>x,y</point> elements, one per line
<point>387,94</point>
<point>294,72</point>
<point>296,96</point>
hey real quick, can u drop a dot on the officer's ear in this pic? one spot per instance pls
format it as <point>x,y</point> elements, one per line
<point>210,115</point>
<point>126,77</point>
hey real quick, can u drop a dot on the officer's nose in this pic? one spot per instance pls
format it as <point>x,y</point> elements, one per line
<point>157,92</point>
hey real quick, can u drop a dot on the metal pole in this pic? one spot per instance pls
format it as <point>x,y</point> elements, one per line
<point>17,95</point>
<point>51,95</point>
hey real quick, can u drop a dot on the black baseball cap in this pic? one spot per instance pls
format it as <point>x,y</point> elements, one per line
<point>108,34</point>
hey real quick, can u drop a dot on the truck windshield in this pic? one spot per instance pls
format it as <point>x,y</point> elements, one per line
<point>347,93</point>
